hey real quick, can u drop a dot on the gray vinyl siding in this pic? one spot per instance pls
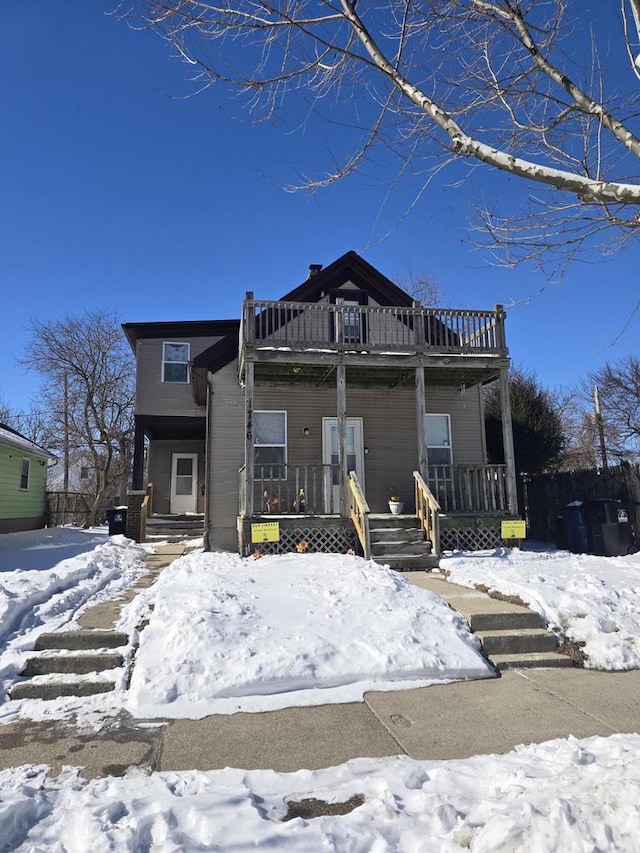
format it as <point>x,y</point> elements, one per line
<point>155,397</point>
<point>160,471</point>
<point>227,456</point>
<point>389,430</point>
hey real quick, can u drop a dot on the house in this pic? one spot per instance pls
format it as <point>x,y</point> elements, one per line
<point>311,409</point>
<point>23,479</point>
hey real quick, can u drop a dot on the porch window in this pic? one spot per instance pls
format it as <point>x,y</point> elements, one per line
<point>175,362</point>
<point>24,474</point>
<point>270,445</point>
<point>438,439</point>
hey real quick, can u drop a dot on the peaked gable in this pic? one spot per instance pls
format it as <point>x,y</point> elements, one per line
<point>350,267</point>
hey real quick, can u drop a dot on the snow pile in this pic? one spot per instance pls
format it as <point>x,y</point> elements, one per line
<point>229,634</point>
<point>591,600</point>
<point>561,795</point>
<point>48,576</point>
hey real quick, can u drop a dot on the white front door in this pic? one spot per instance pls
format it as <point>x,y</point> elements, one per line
<point>184,482</point>
<point>355,458</point>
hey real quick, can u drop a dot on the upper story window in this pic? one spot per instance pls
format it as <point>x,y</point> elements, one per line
<point>84,472</point>
<point>24,474</point>
<point>354,329</point>
<point>175,362</point>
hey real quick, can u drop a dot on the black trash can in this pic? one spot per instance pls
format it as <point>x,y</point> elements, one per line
<point>609,529</point>
<point>117,520</point>
<point>575,530</point>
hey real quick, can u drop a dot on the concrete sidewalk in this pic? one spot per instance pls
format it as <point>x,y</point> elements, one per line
<point>439,722</point>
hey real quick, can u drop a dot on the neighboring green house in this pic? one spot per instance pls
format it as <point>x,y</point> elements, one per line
<point>23,479</point>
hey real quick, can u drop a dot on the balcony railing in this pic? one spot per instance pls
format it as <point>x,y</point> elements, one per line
<point>469,488</point>
<point>323,326</point>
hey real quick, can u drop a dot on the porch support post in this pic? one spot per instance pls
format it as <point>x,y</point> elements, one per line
<point>420,423</point>
<point>341,388</point>
<point>137,478</point>
<point>248,449</point>
<point>507,441</point>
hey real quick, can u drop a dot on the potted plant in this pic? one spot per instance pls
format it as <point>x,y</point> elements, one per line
<point>395,504</point>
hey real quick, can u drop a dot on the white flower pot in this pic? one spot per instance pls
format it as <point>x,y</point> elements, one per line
<point>396,507</point>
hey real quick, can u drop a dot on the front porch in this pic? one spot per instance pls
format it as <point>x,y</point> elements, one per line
<point>363,400</point>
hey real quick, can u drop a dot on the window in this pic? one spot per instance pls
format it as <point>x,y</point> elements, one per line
<point>438,429</point>
<point>84,472</point>
<point>354,329</point>
<point>270,445</point>
<point>24,474</point>
<point>175,362</point>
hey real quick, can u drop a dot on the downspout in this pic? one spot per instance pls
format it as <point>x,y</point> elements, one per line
<point>207,463</point>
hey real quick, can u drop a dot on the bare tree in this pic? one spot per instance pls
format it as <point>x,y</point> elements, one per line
<point>422,286</point>
<point>618,384</point>
<point>543,90</point>
<point>87,392</point>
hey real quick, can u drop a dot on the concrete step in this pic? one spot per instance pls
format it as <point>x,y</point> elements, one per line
<point>81,640</point>
<point>516,619</point>
<point>408,563</point>
<point>516,641</point>
<point>54,690</point>
<point>531,660</point>
<point>75,664</point>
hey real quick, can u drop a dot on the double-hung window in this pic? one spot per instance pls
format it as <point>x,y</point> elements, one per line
<point>270,445</point>
<point>438,439</point>
<point>24,474</point>
<point>175,362</point>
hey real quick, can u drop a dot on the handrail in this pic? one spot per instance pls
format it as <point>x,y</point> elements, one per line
<point>359,513</point>
<point>427,510</point>
<point>145,510</point>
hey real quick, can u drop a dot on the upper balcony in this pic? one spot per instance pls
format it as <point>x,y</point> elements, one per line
<point>369,336</point>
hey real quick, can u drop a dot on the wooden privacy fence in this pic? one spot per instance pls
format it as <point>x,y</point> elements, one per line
<point>67,508</point>
<point>544,496</point>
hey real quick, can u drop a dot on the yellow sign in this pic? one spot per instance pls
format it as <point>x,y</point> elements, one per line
<point>514,530</point>
<point>267,532</point>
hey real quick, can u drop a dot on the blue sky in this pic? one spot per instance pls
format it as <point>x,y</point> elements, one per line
<point>116,192</point>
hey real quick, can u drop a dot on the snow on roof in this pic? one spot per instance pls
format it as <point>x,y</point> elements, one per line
<point>15,439</point>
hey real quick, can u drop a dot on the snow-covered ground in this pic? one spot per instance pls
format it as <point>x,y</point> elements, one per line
<point>591,600</point>
<point>230,634</point>
<point>46,578</point>
<point>564,795</point>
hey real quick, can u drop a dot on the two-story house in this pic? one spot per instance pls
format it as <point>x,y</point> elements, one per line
<point>312,409</point>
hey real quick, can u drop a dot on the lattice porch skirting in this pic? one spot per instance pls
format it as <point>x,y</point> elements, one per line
<point>310,534</point>
<point>470,534</point>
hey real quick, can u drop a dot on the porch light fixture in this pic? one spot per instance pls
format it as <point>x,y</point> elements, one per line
<point>306,431</point>
<point>296,370</point>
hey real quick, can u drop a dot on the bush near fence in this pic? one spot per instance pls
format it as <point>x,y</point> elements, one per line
<point>543,496</point>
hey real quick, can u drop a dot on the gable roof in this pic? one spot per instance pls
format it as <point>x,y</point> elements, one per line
<point>12,438</point>
<point>348,267</point>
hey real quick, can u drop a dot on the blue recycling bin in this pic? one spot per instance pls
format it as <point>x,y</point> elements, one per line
<point>576,529</point>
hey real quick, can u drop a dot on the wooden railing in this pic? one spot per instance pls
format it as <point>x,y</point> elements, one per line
<point>145,511</point>
<point>469,488</point>
<point>292,489</point>
<point>359,513</point>
<point>427,510</point>
<point>310,325</point>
